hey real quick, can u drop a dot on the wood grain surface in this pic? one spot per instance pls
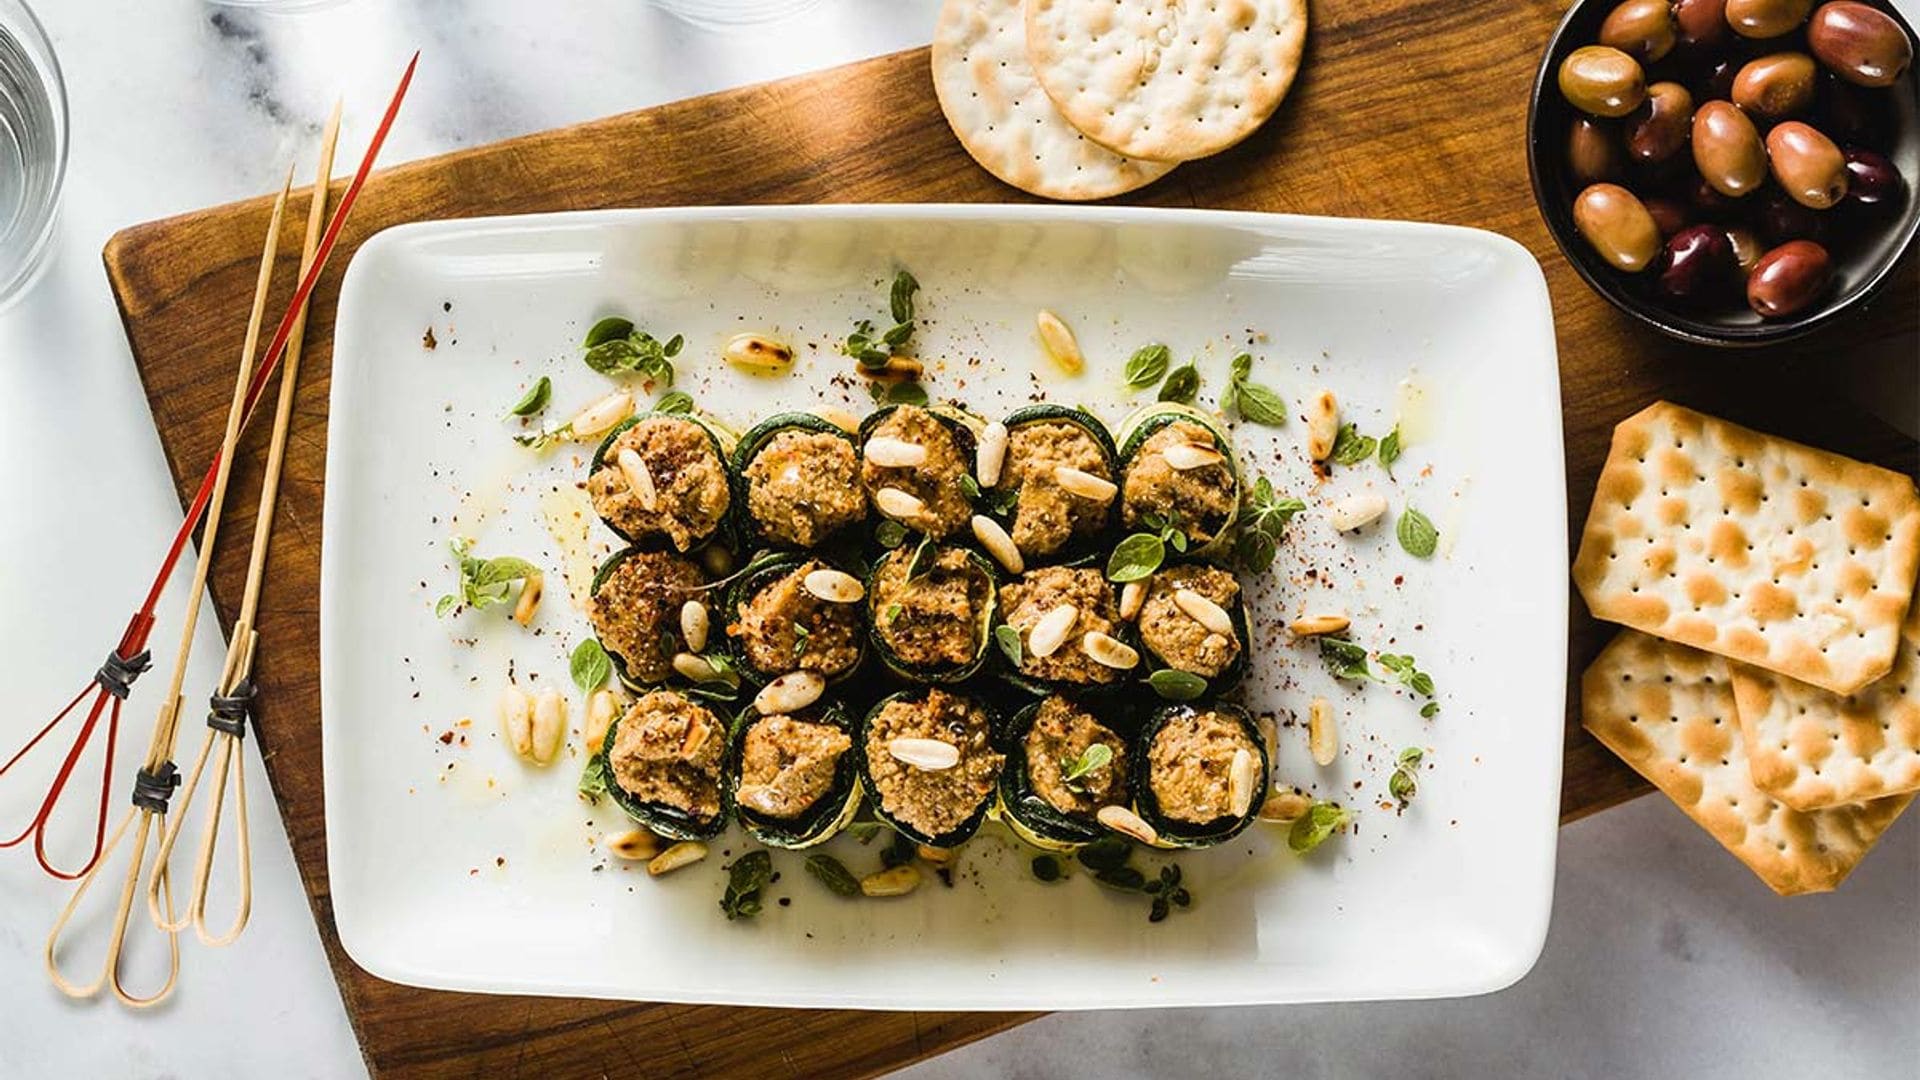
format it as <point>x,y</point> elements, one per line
<point>1405,110</point>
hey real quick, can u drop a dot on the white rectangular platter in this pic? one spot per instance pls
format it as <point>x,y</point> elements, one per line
<point>454,865</point>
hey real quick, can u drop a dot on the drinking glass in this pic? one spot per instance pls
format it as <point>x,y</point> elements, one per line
<point>729,14</point>
<point>33,147</point>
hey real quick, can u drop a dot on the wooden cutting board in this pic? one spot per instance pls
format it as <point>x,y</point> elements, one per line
<point>1408,110</point>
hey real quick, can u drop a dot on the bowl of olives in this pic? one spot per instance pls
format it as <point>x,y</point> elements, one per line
<point>1733,172</point>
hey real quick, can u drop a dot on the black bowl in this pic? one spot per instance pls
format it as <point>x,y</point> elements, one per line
<point>1863,262</point>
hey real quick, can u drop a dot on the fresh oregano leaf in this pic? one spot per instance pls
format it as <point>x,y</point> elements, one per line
<point>834,874</point>
<point>1176,685</point>
<point>1417,535</point>
<point>1095,756</point>
<point>1344,659</point>
<point>1390,449</point>
<point>1136,557</point>
<point>1182,385</point>
<point>612,328</point>
<point>1312,828</point>
<point>1147,365</point>
<point>1350,447</point>
<point>746,876</point>
<point>590,665</point>
<point>1259,405</point>
<point>678,402</point>
<point>900,298</point>
<point>534,399</point>
<point>907,393</point>
<point>1009,641</point>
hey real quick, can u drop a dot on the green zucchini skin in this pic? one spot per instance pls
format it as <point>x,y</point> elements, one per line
<point>722,440</point>
<point>1030,817</point>
<point>1141,426</point>
<point>706,691</point>
<point>749,531</point>
<point>1235,672</point>
<point>760,573</point>
<point>1097,544</point>
<point>879,648</point>
<point>953,838</point>
<point>667,821</point>
<point>1181,834</point>
<point>824,819</point>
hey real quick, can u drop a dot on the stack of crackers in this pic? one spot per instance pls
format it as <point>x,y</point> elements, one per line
<point>1769,681</point>
<point>1082,99</point>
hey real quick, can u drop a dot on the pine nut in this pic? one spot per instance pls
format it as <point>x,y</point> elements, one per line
<point>1204,611</point>
<point>1357,510</point>
<point>638,845</point>
<point>600,416</point>
<point>1059,343</point>
<point>1126,822</point>
<point>790,693</point>
<point>1314,625</point>
<point>1323,424</point>
<point>757,353</point>
<point>1323,734</point>
<point>529,602</point>
<point>898,881</point>
<point>639,477</point>
<point>835,586</point>
<point>1109,651</point>
<point>694,668</point>
<point>894,453</point>
<point>898,504</point>
<point>936,856</point>
<point>1051,631</point>
<point>838,417</point>
<point>516,720</point>
<point>694,625</point>
<point>602,707</point>
<point>990,454</point>
<point>1242,782</point>
<point>1133,597</point>
<point>684,853</point>
<point>1284,806</point>
<point>929,755</point>
<point>1186,457</point>
<point>697,735</point>
<point>1085,485</point>
<point>998,544</point>
<point>758,797</point>
<point>896,369</point>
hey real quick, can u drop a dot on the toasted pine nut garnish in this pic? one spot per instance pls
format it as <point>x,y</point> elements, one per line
<point>1284,806</point>
<point>835,586</point>
<point>1323,424</point>
<point>601,415</point>
<point>1204,611</point>
<point>639,477</point>
<point>1186,457</point>
<point>1314,625</point>
<point>1059,343</point>
<point>897,504</point>
<point>1109,651</point>
<point>1133,597</point>
<point>529,602</point>
<point>936,856</point>
<point>636,845</point>
<point>694,625</point>
<point>930,755</point>
<point>696,737</point>
<point>890,453</point>
<point>549,727</point>
<point>998,544</point>
<point>1085,485</point>
<point>757,353</point>
<point>1357,510</point>
<point>602,707</point>
<point>837,416</point>
<point>896,369</point>
<point>684,853</point>
<point>758,797</point>
<point>694,668</point>
<point>1051,631</point>
<point>790,693</point>
<point>1323,734</point>
<point>898,881</point>
<point>1126,822</point>
<point>990,454</point>
<point>1242,781</point>
<point>1214,642</point>
<point>516,720</point>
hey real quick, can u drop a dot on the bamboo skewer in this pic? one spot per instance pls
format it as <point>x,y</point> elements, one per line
<point>158,776</point>
<point>226,721</point>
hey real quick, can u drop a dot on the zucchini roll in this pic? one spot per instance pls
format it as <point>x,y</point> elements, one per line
<point>663,476</point>
<point>930,609</point>
<point>798,479</point>
<point>1178,470</point>
<point>1063,766</point>
<point>928,764</point>
<point>794,613</point>
<point>1057,482</point>
<point>665,761</point>
<point>1071,634</point>
<point>795,780</point>
<point>635,607</point>
<point>915,463</point>
<point>1201,773</point>
<point>1194,619</point>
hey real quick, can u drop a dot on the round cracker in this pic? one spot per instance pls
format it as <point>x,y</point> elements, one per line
<point>1166,80</point>
<point>1006,121</point>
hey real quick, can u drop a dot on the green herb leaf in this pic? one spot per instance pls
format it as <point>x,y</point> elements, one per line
<point>890,534</point>
<point>907,393</point>
<point>674,345</point>
<point>677,402</point>
<point>540,440</point>
<point>1047,867</point>
<point>485,582</point>
<point>891,613</point>
<point>865,831</point>
<point>1182,385</point>
<point>593,778</point>
<point>1407,674</point>
<point>1254,551</point>
<point>897,335</point>
<point>1001,501</point>
<point>801,635</point>
<point>746,876</point>
<point>1122,877</point>
<point>1344,659</point>
<point>834,874</point>
<point>504,568</point>
<point>1412,756</point>
<point>1095,756</point>
<point>613,356</point>
<point>899,852</point>
<point>1430,710</point>
<point>534,399</point>
<point>1263,522</point>
<point>612,328</point>
<point>969,487</point>
<point>1009,641</point>
<point>446,604</point>
<point>1390,449</point>
<point>1106,853</point>
<point>1136,557</point>
<point>589,665</point>
<point>1350,447</point>
<point>1259,405</point>
<point>1417,534</point>
<point>1176,685</point>
<point>1402,786</point>
<point>900,299</point>
<point>1320,821</point>
<point>1146,366</point>
<point>1240,367</point>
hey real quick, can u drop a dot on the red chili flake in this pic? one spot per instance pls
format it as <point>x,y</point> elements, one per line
<point>446,738</point>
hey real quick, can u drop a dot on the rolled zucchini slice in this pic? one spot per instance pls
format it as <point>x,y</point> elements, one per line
<point>665,764</point>
<point>929,765</point>
<point>1052,786</point>
<point>805,490</point>
<point>777,622</point>
<point>1051,520</point>
<point>784,791</point>
<point>1202,501</point>
<point>635,603</point>
<point>930,611</point>
<point>1180,633</point>
<point>1189,806</point>
<point>690,507</point>
<point>928,489</point>
<point>1031,602</point>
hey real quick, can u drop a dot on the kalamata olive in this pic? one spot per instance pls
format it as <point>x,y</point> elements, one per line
<point>1593,151</point>
<point>1807,164</point>
<point>1788,278</point>
<point>1775,86</point>
<point>1657,130</point>
<point>1853,115</point>
<point>1871,178</point>
<point>1727,149</point>
<point>1701,22</point>
<point>1602,81</point>
<point>1862,44</point>
<point>1766,18</point>
<point>1617,225</point>
<point>1643,29</point>
<point>1746,247</point>
<point>1668,215</point>
<point>1697,266</point>
<point>1781,219</point>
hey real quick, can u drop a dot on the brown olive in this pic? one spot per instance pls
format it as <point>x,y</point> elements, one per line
<point>1602,81</point>
<point>1746,247</point>
<point>1618,226</point>
<point>1669,216</point>
<point>1701,22</point>
<point>1788,278</point>
<point>1766,18</point>
<point>1807,164</point>
<point>1697,266</point>
<point>1727,149</point>
<point>1775,86</point>
<point>1593,152</point>
<point>1643,29</point>
<point>1862,44</point>
<point>1871,178</point>
<point>1657,130</point>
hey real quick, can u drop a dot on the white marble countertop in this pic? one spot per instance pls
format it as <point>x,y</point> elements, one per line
<point>1665,958</point>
